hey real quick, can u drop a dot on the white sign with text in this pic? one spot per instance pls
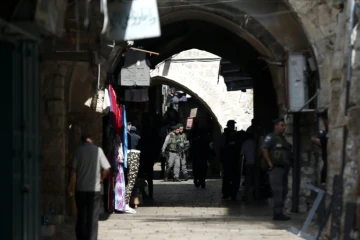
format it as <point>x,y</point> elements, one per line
<point>133,19</point>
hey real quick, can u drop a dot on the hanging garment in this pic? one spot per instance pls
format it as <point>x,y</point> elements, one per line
<point>118,153</point>
<point>106,102</point>
<point>119,188</point>
<point>111,121</point>
<point>137,95</point>
<point>128,95</point>
<point>109,185</point>
<point>119,119</point>
<point>135,70</point>
<point>141,95</point>
<point>116,112</point>
<point>125,134</point>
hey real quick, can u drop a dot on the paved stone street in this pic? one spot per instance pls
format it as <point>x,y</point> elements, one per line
<point>181,211</point>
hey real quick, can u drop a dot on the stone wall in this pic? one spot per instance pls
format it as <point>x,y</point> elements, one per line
<point>347,167</point>
<point>70,106</point>
<point>318,20</point>
<point>201,79</point>
<point>54,80</point>
<point>343,170</point>
<point>310,160</point>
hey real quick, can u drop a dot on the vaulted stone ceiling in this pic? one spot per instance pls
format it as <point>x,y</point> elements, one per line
<point>226,27</point>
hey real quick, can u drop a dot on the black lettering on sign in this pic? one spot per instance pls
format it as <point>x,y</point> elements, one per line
<point>137,17</point>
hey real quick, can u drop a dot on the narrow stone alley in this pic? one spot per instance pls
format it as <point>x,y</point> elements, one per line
<point>181,211</point>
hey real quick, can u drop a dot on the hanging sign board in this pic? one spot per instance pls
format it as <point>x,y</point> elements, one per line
<point>193,112</point>
<point>189,123</point>
<point>132,20</point>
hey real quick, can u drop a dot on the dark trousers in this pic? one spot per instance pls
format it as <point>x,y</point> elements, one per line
<point>231,180</point>
<point>149,176</point>
<point>199,171</point>
<point>146,169</point>
<point>278,177</point>
<point>88,207</point>
<point>163,163</point>
<point>250,178</point>
<point>106,195</point>
<point>324,171</point>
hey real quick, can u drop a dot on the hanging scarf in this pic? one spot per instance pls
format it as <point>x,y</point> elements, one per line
<point>126,146</point>
<point>119,189</point>
<point>116,112</point>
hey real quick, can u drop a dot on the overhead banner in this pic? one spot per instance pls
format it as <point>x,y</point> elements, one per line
<point>133,20</point>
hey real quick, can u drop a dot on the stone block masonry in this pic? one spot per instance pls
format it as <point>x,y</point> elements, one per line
<point>64,118</point>
<point>54,171</point>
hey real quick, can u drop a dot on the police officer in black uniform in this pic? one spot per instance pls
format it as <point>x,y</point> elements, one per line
<point>199,149</point>
<point>230,157</point>
<point>321,140</point>
<point>276,151</point>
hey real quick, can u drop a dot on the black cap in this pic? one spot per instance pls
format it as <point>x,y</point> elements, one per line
<point>230,122</point>
<point>277,120</point>
<point>129,123</point>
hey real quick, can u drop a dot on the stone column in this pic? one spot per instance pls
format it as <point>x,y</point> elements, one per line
<point>341,117</point>
<point>54,134</point>
<point>352,122</point>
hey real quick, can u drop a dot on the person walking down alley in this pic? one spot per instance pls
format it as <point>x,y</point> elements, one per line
<point>321,141</point>
<point>230,157</point>
<point>171,116</point>
<point>150,150</point>
<point>276,152</point>
<point>183,147</point>
<point>86,168</point>
<point>135,137</point>
<point>133,165</point>
<point>172,152</point>
<point>248,151</point>
<point>199,151</point>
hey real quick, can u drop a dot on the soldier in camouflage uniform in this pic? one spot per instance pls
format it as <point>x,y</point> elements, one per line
<point>171,151</point>
<point>183,147</point>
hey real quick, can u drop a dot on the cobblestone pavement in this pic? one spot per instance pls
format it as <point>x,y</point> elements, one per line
<point>181,211</point>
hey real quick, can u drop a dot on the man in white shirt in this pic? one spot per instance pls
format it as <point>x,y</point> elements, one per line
<point>86,168</point>
<point>248,151</point>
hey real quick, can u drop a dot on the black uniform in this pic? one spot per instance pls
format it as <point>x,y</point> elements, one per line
<point>199,153</point>
<point>230,157</point>
<point>323,137</point>
<point>280,155</point>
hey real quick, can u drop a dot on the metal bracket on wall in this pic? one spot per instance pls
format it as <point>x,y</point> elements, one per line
<point>302,233</point>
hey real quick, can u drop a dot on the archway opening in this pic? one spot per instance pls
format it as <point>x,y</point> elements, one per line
<point>230,45</point>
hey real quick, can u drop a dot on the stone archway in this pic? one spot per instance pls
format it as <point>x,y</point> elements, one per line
<point>201,79</point>
<point>256,35</point>
<point>242,31</point>
<point>270,28</point>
